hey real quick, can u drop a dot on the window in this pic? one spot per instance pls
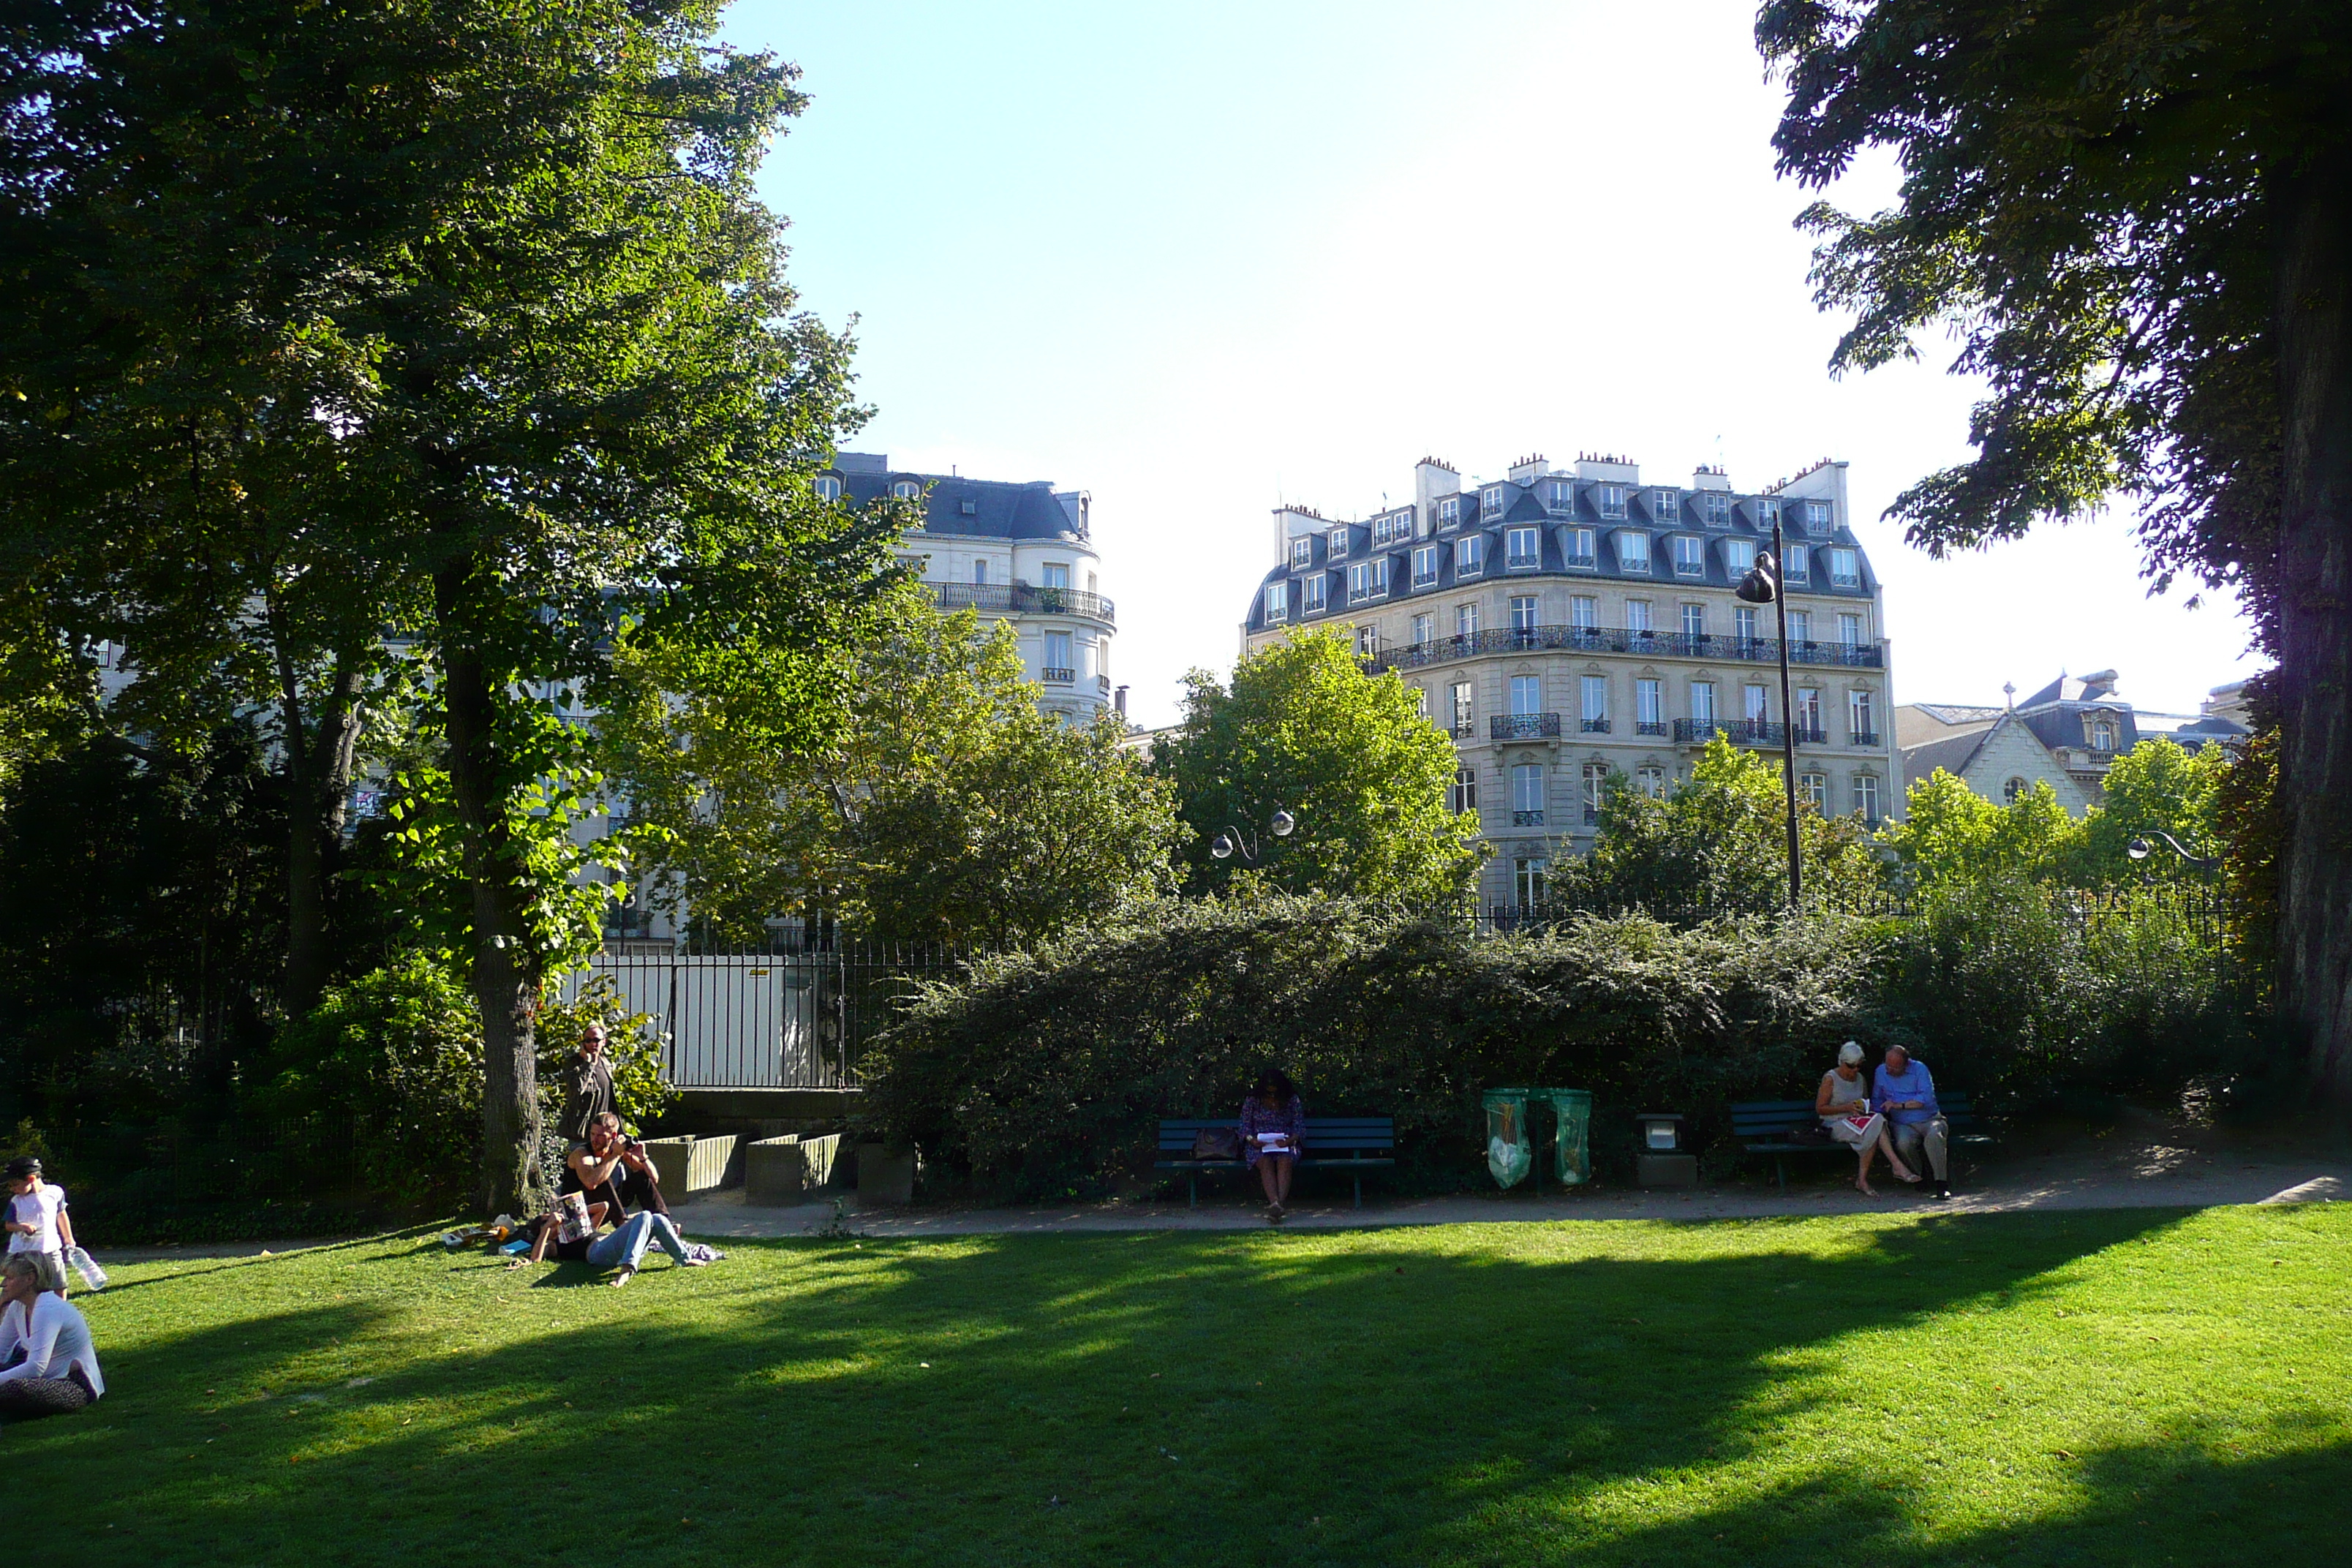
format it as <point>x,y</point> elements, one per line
<point>1369,579</point>
<point>1318,590</point>
<point>1651,780</point>
<point>1595,693</point>
<point>1469,555</point>
<point>1059,664</point>
<point>1768,512</point>
<point>827,488</point>
<point>1743,622</point>
<point>1738,557</point>
<point>1596,786</point>
<point>1527,694</point>
<point>906,490</point>
<point>980,572</point>
<point>1865,798</point>
<point>2102,736</point>
<point>1559,496</point>
<point>1610,499</point>
<point>1278,600</point>
<point>1425,566</point>
<point>1845,568</point>
<point>1528,796</point>
<point>1580,549</point>
<point>1465,620</point>
<point>1755,705</point>
<point>1522,549</point>
<point>1797,568</point>
<point>1637,615</point>
<point>1800,626</point>
<point>1464,796</point>
<point>1816,788</point>
<point>1368,642</point>
<point>1690,555</point>
<point>1490,502</point>
<point>1055,574</point>
<point>1528,880</point>
<point>1523,612</point>
<point>1424,628</point>
<point>1717,509</point>
<point>1391,529</point>
<point>1649,706</point>
<point>1420,701</point>
<point>1693,620</point>
<point>1702,705</point>
<point>1809,714</point>
<point>1334,543</point>
<point>1859,719</point>
<point>1302,554</point>
<point>1449,512</point>
<point>1666,507</point>
<point>1465,708</point>
<point>1817,516</point>
<point>2013,791</point>
<point>1633,552</point>
<point>1584,611</point>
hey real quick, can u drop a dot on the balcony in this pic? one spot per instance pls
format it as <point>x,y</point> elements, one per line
<point>1738,731</point>
<point>1811,735</point>
<point>1593,726</point>
<point>1021,598</point>
<point>1613,639</point>
<point>1052,676</point>
<point>1464,729</point>
<point>1865,738</point>
<point>1523,727</point>
<point>1651,727</point>
<point>1526,819</point>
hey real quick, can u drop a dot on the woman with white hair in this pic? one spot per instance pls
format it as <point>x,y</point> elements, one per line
<point>52,1367</point>
<point>1843,1103</point>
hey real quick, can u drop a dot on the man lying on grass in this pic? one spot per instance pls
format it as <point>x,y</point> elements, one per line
<point>589,1201</point>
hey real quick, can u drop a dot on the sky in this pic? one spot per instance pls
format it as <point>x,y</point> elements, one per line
<point>1203,260</point>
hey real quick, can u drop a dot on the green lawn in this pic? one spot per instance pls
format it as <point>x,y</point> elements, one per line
<point>2125,1387</point>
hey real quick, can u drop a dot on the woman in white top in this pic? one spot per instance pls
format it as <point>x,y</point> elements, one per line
<point>58,1369</point>
<point>1843,1102</point>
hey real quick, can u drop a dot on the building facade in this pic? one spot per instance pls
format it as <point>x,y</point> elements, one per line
<point>1570,625</point>
<point>1018,552</point>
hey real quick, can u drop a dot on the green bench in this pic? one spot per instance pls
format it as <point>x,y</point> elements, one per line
<point>1350,1144</point>
<point>1763,1126</point>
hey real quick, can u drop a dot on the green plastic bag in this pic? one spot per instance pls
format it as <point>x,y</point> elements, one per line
<point>1510,1152</point>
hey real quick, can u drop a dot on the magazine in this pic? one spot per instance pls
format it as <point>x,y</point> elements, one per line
<point>571,1218</point>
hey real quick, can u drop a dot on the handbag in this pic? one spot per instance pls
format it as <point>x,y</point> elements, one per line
<point>1809,1132</point>
<point>1217,1143</point>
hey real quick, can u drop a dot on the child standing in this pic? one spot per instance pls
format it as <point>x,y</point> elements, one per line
<point>37,1219</point>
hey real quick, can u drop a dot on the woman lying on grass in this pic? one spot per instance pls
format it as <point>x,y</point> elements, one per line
<point>589,1200</point>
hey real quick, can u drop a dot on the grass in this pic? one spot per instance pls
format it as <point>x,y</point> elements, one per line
<point>2125,1387</point>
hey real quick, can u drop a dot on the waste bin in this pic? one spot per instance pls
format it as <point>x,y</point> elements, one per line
<point>1572,1157</point>
<point>1510,1152</point>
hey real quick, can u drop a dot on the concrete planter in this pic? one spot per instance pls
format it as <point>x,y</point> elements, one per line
<point>820,1162</point>
<point>707,1163</point>
<point>775,1173</point>
<point>884,1177</point>
<point>671,1158</point>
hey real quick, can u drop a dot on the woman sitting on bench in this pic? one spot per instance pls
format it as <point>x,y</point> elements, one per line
<point>1274,1130</point>
<point>1843,1103</point>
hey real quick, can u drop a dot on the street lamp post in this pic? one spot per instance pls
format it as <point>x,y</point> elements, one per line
<point>1234,841</point>
<point>1763,586</point>
<point>2138,849</point>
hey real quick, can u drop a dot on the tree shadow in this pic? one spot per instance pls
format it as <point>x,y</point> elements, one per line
<point>1470,1395</point>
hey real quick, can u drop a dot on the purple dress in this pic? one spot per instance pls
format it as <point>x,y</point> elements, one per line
<point>1257,1119</point>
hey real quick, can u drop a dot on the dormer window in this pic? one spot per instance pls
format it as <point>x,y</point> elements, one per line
<point>1845,568</point>
<point>1490,502</point>
<point>1334,543</point>
<point>1425,566</point>
<point>1317,592</point>
<point>1610,499</point>
<point>1690,556</point>
<point>1738,557</point>
<point>1717,510</point>
<point>1633,552</point>
<point>906,490</point>
<point>1278,600</point>
<point>1391,529</point>
<point>966,507</point>
<point>1817,516</point>
<point>1665,506</point>
<point>1768,512</point>
<point>1798,568</point>
<point>1449,512</point>
<point>1469,555</point>
<point>2103,736</point>
<point>828,487</point>
<point>1560,495</point>
<point>1522,549</point>
<point>1581,550</point>
<point>1302,554</point>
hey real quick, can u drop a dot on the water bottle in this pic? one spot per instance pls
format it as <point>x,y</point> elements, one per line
<point>86,1266</point>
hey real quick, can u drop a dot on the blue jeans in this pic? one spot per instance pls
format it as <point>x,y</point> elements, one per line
<point>625,1247</point>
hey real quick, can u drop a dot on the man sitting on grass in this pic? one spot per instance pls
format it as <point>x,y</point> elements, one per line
<point>1905,1091</point>
<point>52,1367</point>
<point>588,1173</point>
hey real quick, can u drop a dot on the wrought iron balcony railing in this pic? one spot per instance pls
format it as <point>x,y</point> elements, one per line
<point>1738,731</point>
<point>1055,675</point>
<point>1865,738</point>
<point>1523,726</point>
<point>1526,819</point>
<point>1616,639</point>
<point>1017,598</point>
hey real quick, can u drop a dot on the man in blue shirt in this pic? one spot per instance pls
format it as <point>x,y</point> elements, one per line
<point>1903,1091</point>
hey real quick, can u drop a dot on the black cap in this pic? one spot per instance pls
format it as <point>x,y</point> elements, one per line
<point>24,1165</point>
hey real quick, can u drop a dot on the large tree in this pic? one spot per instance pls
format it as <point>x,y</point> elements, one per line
<point>563,391</point>
<point>1364,774</point>
<point>2137,220</point>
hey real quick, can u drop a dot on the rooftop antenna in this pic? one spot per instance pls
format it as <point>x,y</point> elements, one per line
<point>2008,690</point>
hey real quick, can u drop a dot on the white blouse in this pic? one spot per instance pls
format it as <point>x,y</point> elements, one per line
<point>57,1340</point>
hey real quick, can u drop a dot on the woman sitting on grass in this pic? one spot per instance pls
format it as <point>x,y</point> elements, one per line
<point>1274,1130</point>
<point>589,1200</point>
<point>1843,1102</point>
<point>58,1371</point>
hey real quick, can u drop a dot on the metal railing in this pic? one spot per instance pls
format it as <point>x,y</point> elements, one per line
<point>1523,726</point>
<point>1738,731</point>
<point>1593,726</point>
<point>1054,675</point>
<point>1008,598</point>
<point>1526,819</point>
<point>1615,639</point>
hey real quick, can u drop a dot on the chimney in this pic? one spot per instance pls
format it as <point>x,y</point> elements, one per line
<point>1432,480</point>
<point>1119,701</point>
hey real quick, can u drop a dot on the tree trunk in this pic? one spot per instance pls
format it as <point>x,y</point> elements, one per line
<point>318,766</point>
<point>2313,208</point>
<point>506,963</point>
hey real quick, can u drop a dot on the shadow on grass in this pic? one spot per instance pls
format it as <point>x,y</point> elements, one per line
<point>1385,1397</point>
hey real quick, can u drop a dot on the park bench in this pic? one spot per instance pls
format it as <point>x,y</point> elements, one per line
<point>1350,1144</point>
<point>1762,1127</point>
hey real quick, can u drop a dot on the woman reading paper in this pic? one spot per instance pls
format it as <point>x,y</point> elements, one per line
<point>1274,1130</point>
